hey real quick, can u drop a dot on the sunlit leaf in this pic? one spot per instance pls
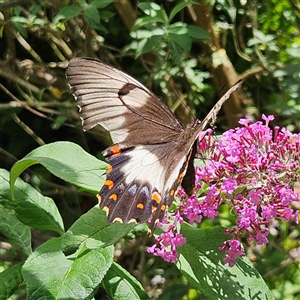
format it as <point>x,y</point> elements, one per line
<point>31,207</point>
<point>67,13</point>
<point>67,161</point>
<point>201,262</point>
<point>76,277</point>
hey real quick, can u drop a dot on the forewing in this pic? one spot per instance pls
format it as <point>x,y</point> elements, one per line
<point>127,109</point>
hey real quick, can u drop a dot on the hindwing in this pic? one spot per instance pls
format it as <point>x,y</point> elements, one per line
<point>140,182</point>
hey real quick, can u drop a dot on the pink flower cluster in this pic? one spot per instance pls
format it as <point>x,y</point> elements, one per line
<point>167,243</point>
<point>252,170</point>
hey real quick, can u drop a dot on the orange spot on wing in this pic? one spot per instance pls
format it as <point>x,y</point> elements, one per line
<point>140,206</point>
<point>113,197</point>
<point>109,168</point>
<point>172,192</point>
<point>109,183</point>
<point>163,207</point>
<point>115,150</point>
<point>180,177</point>
<point>156,197</point>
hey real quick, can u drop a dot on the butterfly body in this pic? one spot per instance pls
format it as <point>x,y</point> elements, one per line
<point>152,152</point>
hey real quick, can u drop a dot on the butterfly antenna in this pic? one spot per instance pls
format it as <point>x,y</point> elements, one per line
<point>212,115</point>
<point>176,105</point>
<point>222,88</point>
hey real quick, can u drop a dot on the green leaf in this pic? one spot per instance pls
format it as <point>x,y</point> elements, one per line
<point>177,28</point>
<point>67,161</point>
<point>176,51</point>
<point>155,11</point>
<point>179,7</point>
<point>92,16</point>
<point>93,226</point>
<point>197,32</point>
<point>35,9</point>
<point>201,262</point>
<point>66,13</point>
<point>177,291</point>
<point>10,280</point>
<point>39,21</point>
<point>16,232</point>
<point>178,34</point>
<point>22,30</point>
<point>31,208</point>
<point>76,277</point>
<point>82,3</point>
<point>101,3</point>
<point>183,41</point>
<point>265,38</point>
<point>146,34</point>
<point>121,285</point>
<point>149,8</point>
<point>141,22</point>
<point>19,19</point>
<point>148,44</point>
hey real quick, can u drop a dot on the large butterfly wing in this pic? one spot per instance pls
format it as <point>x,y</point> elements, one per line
<point>152,152</point>
<point>123,106</point>
<point>139,182</point>
<point>143,175</point>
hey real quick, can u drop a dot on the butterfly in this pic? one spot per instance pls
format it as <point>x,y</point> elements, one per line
<point>152,152</point>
